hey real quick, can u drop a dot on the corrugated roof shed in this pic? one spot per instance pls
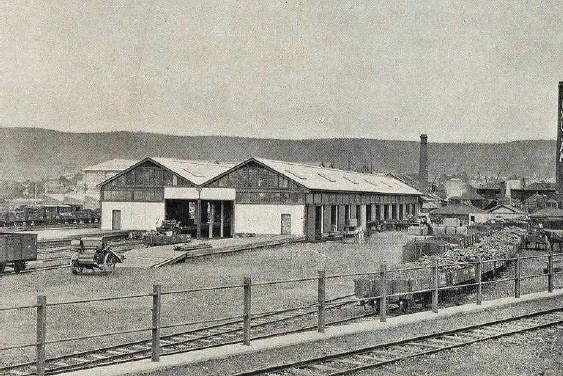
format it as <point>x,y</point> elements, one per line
<point>198,172</point>
<point>330,179</point>
<point>112,165</point>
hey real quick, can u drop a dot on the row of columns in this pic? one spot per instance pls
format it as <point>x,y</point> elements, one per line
<point>201,227</point>
<point>378,212</point>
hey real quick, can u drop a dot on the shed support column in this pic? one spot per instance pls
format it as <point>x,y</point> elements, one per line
<point>341,217</point>
<point>406,210</point>
<point>381,212</point>
<point>310,209</point>
<point>373,212</point>
<point>363,216</point>
<point>389,211</point>
<point>221,231</point>
<point>211,216</point>
<point>198,219</point>
<point>327,215</point>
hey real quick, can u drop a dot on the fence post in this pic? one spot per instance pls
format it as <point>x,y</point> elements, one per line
<point>247,283</point>
<point>41,334</point>
<point>436,287</point>
<point>479,280</point>
<point>321,302</point>
<point>383,298</point>
<point>517,275</point>
<point>156,305</point>
<point>550,272</point>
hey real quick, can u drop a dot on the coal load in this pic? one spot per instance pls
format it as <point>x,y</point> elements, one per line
<point>500,245</point>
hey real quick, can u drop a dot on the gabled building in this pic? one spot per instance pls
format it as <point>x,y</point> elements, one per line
<point>467,214</point>
<point>506,212</point>
<point>258,195</point>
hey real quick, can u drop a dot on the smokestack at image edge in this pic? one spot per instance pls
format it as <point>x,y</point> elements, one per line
<point>423,163</point>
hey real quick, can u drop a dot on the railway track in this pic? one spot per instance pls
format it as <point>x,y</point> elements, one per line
<point>60,256</point>
<point>350,362</point>
<point>263,326</point>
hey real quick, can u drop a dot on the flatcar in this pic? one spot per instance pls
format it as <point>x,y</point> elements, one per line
<point>16,250</point>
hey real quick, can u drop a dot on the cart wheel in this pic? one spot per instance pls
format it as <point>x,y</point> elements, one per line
<point>74,270</point>
<point>2,267</point>
<point>375,304</point>
<point>19,266</point>
<point>109,263</point>
<point>404,305</point>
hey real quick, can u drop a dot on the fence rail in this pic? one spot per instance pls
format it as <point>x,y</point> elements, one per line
<point>319,307</point>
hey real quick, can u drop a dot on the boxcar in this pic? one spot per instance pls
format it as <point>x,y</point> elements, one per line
<point>16,250</point>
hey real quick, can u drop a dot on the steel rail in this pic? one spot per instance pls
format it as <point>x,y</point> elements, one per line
<point>393,356</point>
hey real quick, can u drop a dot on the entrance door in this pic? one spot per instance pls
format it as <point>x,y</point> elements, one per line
<point>116,219</point>
<point>286,224</point>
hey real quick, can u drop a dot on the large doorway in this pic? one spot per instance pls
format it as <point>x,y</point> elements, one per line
<point>185,212</point>
<point>215,219</point>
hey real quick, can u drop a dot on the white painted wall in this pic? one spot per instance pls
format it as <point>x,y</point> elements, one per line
<point>134,215</point>
<point>266,219</point>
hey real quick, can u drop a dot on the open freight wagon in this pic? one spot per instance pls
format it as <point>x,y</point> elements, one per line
<point>16,250</point>
<point>404,286</point>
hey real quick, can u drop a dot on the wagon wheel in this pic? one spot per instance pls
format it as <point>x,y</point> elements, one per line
<point>109,263</point>
<point>19,266</point>
<point>404,305</point>
<point>2,267</point>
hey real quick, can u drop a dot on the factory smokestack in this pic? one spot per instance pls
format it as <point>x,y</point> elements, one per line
<point>423,163</point>
<point>559,160</point>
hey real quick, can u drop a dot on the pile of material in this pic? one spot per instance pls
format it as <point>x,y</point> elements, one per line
<point>500,245</point>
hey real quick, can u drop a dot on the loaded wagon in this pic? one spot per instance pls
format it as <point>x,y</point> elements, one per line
<point>16,250</point>
<point>402,290</point>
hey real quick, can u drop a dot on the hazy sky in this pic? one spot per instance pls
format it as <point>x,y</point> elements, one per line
<point>459,71</point>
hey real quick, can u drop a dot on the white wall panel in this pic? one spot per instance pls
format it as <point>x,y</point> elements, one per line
<point>266,219</point>
<point>134,215</point>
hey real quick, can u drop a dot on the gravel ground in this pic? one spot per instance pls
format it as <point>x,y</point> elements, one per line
<point>535,353</point>
<point>289,262</point>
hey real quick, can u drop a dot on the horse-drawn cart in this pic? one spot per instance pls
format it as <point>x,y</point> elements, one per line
<point>93,254</point>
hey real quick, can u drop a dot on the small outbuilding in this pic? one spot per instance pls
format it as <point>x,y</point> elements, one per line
<point>507,212</point>
<point>466,214</point>
<point>550,218</point>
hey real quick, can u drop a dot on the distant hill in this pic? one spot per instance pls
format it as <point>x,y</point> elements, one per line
<point>32,153</point>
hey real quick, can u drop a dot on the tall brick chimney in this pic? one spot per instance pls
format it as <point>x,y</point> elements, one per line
<point>423,163</point>
<point>559,157</point>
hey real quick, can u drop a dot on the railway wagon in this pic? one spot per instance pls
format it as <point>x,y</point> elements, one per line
<point>422,279</point>
<point>16,250</point>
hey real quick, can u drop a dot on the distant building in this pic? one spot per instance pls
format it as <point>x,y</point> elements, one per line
<point>98,173</point>
<point>537,188</point>
<point>467,214</point>
<point>507,212</point>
